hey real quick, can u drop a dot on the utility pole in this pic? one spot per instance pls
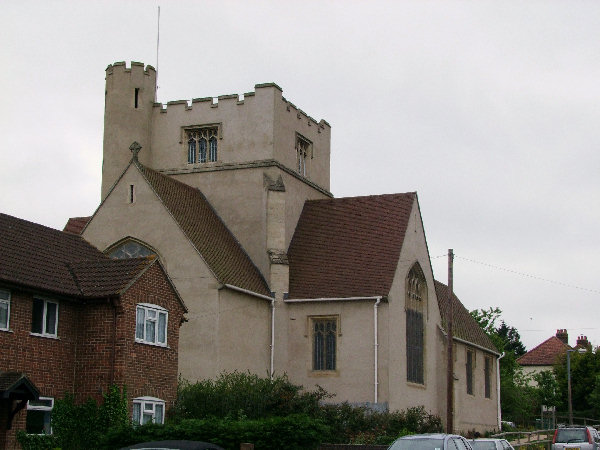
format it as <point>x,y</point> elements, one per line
<point>450,374</point>
<point>569,386</point>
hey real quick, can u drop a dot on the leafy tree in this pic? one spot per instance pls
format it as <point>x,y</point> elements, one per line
<point>511,339</point>
<point>585,369</point>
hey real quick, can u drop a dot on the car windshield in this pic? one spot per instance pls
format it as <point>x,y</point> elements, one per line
<point>483,445</point>
<point>567,435</point>
<point>418,444</point>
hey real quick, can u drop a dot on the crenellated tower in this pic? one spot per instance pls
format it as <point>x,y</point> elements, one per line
<point>129,101</point>
<point>255,156</point>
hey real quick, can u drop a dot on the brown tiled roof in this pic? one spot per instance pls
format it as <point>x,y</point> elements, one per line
<point>463,325</point>
<point>37,256</point>
<point>43,258</point>
<point>76,225</point>
<point>103,278</point>
<point>544,354</point>
<point>348,247</point>
<point>223,254</point>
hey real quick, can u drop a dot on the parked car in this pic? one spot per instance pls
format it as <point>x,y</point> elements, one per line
<point>576,438</point>
<point>180,445</point>
<point>437,441</point>
<point>490,444</point>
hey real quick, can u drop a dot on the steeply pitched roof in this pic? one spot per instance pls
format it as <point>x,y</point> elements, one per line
<point>348,247</point>
<point>545,354</point>
<point>38,257</point>
<point>464,326</point>
<point>76,225</point>
<point>206,231</point>
<point>16,385</point>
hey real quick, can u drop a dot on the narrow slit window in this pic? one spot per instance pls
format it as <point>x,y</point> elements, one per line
<point>131,193</point>
<point>136,97</point>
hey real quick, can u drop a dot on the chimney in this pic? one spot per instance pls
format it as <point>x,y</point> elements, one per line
<point>563,336</point>
<point>582,342</point>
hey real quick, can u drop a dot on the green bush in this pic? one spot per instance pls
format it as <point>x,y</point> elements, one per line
<point>244,395</point>
<point>36,441</point>
<point>295,432</point>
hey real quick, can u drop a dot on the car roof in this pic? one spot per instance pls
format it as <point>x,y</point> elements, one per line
<point>429,435</point>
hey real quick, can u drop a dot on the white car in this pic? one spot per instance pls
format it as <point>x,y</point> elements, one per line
<point>490,444</point>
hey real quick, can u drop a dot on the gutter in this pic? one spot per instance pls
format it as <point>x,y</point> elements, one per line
<point>330,299</point>
<point>498,389</point>
<point>470,344</point>
<point>246,291</point>
<point>272,337</point>
<point>376,345</point>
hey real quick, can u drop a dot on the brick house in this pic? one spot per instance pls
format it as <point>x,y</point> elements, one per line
<point>73,320</point>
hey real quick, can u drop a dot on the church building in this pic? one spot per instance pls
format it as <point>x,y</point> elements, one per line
<point>232,195</point>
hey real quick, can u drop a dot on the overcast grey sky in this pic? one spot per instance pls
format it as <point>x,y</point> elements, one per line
<point>489,110</point>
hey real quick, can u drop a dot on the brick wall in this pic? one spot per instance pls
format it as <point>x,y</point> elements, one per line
<point>95,346</point>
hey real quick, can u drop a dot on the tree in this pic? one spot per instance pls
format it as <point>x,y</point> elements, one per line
<point>585,369</point>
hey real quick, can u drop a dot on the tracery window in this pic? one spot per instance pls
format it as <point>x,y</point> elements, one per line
<point>202,144</point>
<point>324,343</point>
<point>416,303</point>
<point>470,364</point>
<point>130,249</point>
<point>487,374</point>
<point>303,151</point>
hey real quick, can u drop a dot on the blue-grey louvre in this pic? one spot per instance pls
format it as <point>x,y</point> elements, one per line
<point>414,346</point>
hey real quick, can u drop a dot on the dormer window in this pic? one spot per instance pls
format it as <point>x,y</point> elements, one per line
<point>303,151</point>
<point>202,144</point>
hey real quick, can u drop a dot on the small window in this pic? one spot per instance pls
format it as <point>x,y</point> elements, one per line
<point>324,343</point>
<point>202,144</point>
<point>38,416</point>
<point>487,372</point>
<point>44,317</point>
<point>303,151</point>
<point>151,324</point>
<point>469,370</point>
<point>4,310</point>
<point>130,249</point>
<point>148,410</point>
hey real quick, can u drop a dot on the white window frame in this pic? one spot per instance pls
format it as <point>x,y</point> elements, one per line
<point>5,300</point>
<point>147,405</point>
<point>45,332</point>
<point>43,408</point>
<point>149,310</point>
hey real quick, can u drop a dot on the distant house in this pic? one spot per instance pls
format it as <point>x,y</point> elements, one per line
<point>550,352</point>
<point>73,320</point>
<point>232,196</point>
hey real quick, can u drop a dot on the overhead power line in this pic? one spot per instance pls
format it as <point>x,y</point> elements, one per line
<point>527,275</point>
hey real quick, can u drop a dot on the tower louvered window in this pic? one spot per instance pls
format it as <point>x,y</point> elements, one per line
<point>416,303</point>
<point>303,152</point>
<point>202,144</point>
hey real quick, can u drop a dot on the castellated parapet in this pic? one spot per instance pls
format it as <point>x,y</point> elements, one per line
<point>253,135</point>
<point>129,98</point>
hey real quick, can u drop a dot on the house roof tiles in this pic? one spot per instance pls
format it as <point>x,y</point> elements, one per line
<point>348,247</point>
<point>43,258</point>
<point>545,354</point>
<point>464,326</point>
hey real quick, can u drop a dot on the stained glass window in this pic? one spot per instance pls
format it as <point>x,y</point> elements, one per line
<point>324,344</point>
<point>416,295</point>
<point>202,144</point>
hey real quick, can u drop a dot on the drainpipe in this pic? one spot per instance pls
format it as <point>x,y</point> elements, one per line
<point>498,389</point>
<point>272,335</point>
<point>376,345</point>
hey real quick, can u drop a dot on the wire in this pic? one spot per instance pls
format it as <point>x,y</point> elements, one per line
<point>523,274</point>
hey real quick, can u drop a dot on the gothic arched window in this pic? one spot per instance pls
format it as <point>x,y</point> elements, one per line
<point>212,155</point>
<point>416,305</point>
<point>130,248</point>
